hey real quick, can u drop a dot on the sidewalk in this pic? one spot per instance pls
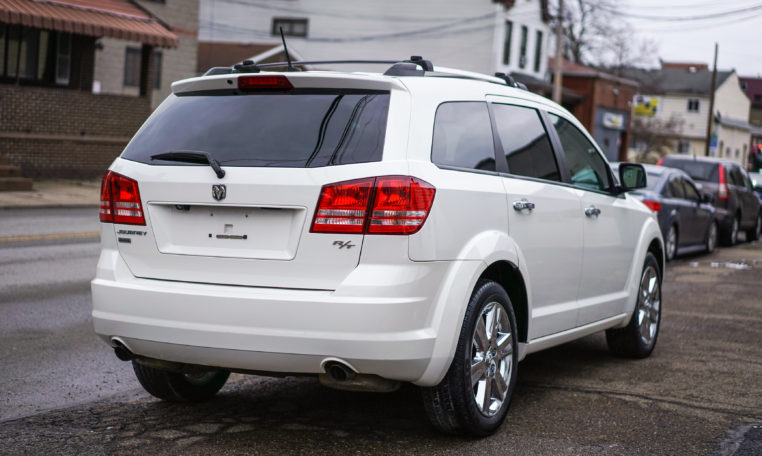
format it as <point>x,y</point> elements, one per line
<point>54,193</point>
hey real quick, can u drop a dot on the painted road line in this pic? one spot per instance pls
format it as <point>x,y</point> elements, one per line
<point>47,237</point>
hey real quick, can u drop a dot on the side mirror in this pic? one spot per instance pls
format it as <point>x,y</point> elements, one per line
<point>632,176</point>
<point>706,198</point>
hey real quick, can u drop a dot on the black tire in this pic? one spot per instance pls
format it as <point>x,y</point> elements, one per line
<point>452,405</point>
<point>711,237</point>
<point>754,233</point>
<point>631,341</point>
<point>177,387</point>
<point>730,236</point>
<point>670,243</point>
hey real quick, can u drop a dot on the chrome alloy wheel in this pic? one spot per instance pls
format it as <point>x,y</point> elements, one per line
<point>649,305</point>
<point>491,358</point>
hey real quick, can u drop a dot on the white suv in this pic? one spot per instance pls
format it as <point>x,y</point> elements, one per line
<point>424,225</point>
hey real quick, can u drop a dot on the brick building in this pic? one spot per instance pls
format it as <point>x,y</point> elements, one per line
<point>604,107</point>
<point>51,122</point>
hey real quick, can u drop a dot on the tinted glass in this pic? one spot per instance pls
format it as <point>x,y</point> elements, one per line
<point>463,136</point>
<point>290,130</point>
<point>703,171</point>
<point>675,188</point>
<point>525,142</point>
<point>736,177</point>
<point>690,191</point>
<point>587,167</point>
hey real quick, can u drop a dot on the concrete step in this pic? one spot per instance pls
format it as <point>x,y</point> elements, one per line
<point>15,184</point>
<point>10,171</point>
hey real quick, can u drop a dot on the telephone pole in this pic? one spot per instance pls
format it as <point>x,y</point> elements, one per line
<point>559,53</point>
<point>710,117</point>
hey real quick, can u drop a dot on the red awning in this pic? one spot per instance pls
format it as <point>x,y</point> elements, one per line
<point>112,18</point>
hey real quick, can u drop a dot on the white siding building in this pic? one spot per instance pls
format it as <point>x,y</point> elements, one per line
<point>468,35</point>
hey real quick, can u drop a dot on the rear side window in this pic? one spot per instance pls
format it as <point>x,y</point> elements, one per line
<point>690,191</point>
<point>675,188</point>
<point>463,136</point>
<point>525,142</point>
<point>587,167</point>
<point>289,130</point>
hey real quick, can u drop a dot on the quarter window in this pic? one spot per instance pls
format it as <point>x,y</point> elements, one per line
<point>588,169</point>
<point>525,142</point>
<point>675,188</point>
<point>690,191</point>
<point>463,136</point>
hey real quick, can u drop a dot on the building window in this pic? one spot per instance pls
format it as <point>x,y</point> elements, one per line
<point>693,105</point>
<point>683,147</point>
<point>523,47</point>
<point>291,27</point>
<point>507,43</point>
<point>757,98</point>
<point>538,52</point>
<point>63,59</point>
<point>30,54</point>
<point>132,59</point>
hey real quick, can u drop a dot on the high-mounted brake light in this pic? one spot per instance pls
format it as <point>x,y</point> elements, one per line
<point>653,205</point>
<point>120,200</point>
<point>723,193</point>
<point>277,82</point>
<point>376,205</point>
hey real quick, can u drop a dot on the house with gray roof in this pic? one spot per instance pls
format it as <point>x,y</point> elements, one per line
<point>676,98</point>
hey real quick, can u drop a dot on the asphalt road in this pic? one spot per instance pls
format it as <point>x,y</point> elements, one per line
<point>63,392</point>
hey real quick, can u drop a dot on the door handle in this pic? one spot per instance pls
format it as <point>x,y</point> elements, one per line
<point>592,211</point>
<point>520,206</point>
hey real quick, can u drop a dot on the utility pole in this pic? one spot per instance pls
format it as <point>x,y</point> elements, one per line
<point>559,48</point>
<point>710,117</point>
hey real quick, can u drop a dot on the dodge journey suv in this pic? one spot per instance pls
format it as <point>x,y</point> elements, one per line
<point>423,225</point>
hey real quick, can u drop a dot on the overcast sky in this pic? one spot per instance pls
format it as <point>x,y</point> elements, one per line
<point>739,34</point>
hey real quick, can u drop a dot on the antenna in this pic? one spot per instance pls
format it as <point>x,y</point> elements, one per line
<point>285,49</point>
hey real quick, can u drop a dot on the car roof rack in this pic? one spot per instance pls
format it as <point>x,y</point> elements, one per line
<point>415,66</point>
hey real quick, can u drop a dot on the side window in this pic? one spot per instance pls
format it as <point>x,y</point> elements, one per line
<point>676,189</point>
<point>525,142</point>
<point>588,169</point>
<point>736,177</point>
<point>463,136</point>
<point>690,191</point>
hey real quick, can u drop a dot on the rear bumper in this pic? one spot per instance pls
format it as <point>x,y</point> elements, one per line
<point>377,328</point>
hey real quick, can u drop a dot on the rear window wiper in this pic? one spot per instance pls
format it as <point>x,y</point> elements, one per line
<point>192,156</point>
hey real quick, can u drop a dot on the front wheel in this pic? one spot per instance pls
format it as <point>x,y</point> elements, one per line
<point>638,338</point>
<point>730,237</point>
<point>670,249</point>
<point>711,237</point>
<point>754,233</point>
<point>474,396</point>
<point>179,387</point>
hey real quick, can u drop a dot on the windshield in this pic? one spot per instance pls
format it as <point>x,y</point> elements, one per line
<point>292,130</point>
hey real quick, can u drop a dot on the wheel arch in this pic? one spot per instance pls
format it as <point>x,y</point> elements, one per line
<point>508,276</point>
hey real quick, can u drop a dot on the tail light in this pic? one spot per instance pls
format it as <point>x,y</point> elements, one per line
<point>376,205</point>
<point>661,160</point>
<point>723,191</point>
<point>653,205</point>
<point>120,200</point>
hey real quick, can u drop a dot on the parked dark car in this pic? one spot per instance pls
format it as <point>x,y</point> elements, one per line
<point>686,216</point>
<point>737,206</point>
<point>756,183</point>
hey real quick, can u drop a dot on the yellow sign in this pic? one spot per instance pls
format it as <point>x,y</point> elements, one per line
<point>646,106</point>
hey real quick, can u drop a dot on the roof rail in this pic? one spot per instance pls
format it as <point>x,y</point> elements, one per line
<point>415,66</point>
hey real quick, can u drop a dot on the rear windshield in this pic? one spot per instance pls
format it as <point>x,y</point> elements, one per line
<point>703,171</point>
<point>290,130</point>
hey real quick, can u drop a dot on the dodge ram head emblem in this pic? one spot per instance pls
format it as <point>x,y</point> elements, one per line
<point>219,192</point>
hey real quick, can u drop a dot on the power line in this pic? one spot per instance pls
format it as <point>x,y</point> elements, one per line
<point>683,18</point>
<point>700,26</point>
<point>661,5</point>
